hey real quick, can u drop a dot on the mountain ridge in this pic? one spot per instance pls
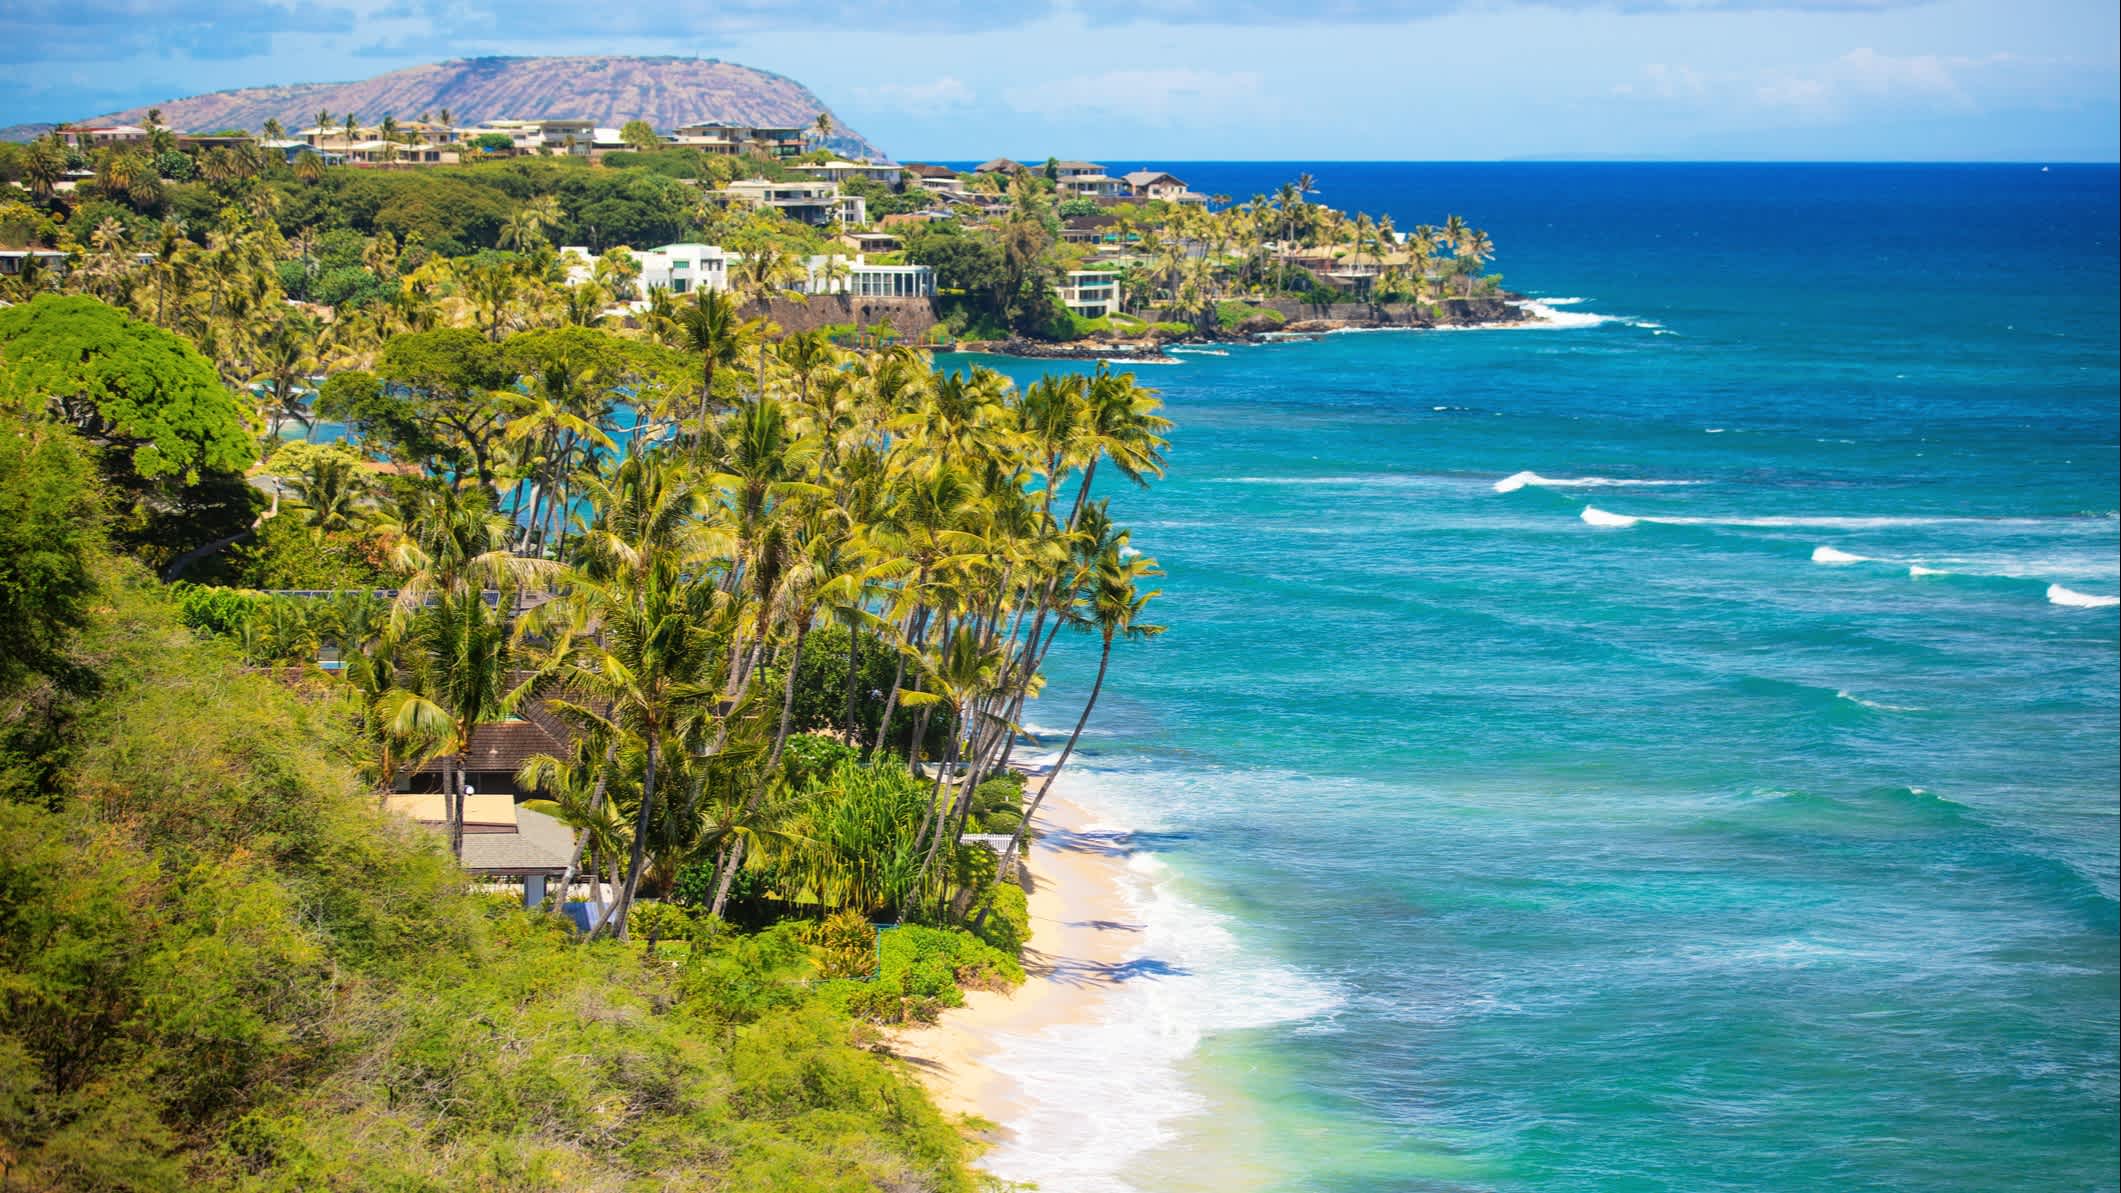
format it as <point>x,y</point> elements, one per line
<point>611,89</point>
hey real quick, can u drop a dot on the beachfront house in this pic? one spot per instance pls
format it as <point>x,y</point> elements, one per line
<point>814,203</point>
<point>999,165</point>
<point>838,275</point>
<point>685,268</point>
<point>841,171</point>
<point>1090,293</point>
<point>1066,170</point>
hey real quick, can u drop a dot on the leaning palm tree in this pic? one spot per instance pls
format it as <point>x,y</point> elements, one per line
<point>1117,604</point>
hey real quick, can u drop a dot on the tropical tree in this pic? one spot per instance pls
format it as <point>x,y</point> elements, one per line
<point>1117,604</point>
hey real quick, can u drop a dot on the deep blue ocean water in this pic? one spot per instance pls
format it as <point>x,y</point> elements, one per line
<point>1752,832</point>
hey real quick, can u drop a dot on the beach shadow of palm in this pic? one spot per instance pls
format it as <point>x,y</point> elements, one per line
<point>1076,971</point>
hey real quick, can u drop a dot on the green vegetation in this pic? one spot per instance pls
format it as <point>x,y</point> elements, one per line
<point>785,601</point>
<point>226,969</point>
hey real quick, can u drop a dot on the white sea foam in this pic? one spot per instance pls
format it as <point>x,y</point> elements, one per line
<point>1852,698</point>
<point>1188,976</point>
<point>1830,555</point>
<point>1916,571</point>
<point>1563,302</point>
<point>1544,315</point>
<point>2070,597</point>
<point>1518,480</point>
<point>1598,517</point>
<point>1837,522</point>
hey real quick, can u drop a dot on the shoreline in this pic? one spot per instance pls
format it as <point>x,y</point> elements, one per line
<point>1525,312</point>
<point>1083,930</point>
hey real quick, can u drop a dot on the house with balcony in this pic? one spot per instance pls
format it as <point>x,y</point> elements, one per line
<point>814,203</point>
<point>1066,170</point>
<point>1090,293</point>
<point>841,171</point>
<point>733,140</point>
<point>1090,186</point>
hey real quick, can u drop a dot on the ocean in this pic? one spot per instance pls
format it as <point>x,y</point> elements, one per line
<point>1674,751</point>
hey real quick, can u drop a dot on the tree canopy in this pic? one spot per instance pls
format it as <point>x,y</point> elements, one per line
<point>125,383</point>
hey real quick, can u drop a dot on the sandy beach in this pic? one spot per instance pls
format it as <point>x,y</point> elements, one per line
<point>1082,931</point>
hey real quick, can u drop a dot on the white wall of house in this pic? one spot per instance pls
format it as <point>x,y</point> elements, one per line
<point>1090,293</point>
<point>685,268</point>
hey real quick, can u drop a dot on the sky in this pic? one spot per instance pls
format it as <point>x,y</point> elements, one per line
<point>1191,80</point>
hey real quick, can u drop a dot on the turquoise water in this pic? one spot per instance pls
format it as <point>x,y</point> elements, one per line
<point>1752,831</point>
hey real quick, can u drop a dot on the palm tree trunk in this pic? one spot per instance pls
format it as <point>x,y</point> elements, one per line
<point>795,661</point>
<point>453,774</point>
<point>639,859</point>
<point>581,839</point>
<point>854,673</point>
<point>1016,840</point>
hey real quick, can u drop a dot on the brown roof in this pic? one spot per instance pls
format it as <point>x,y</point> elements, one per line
<point>923,170</point>
<point>507,745</point>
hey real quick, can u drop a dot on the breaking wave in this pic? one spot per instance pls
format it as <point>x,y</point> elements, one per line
<point>2070,597</point>
<point>1518,480</point>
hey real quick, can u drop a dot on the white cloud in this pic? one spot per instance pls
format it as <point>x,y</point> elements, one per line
<point>1827,90</point>
<point>1867,73</point>
<point>930,98</point>
<point>1162,96</point>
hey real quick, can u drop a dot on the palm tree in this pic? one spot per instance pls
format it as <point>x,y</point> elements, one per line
<point>1116,607</point>
<point>710,328</point>
<point>650,664</point>
<point>287,359</point>
<point>308,166</point>
<point>44,166</point>
<point>466,662</point>
<point>273,129</point>
<point>334,491</point>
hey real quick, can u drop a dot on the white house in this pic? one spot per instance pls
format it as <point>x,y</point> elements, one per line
<point>1090,293</point>
<point>684,268</point>
<point>841,170</point>
<point>839,275</point>
<point>816,203</point>
<point>1089,186</point>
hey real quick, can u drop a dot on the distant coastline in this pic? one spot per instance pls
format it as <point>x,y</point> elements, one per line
<point>1509,310</point>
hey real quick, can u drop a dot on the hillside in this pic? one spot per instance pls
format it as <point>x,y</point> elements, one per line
<point>666,92</point>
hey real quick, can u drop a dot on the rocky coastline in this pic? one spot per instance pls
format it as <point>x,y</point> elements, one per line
<point>1304,322</point>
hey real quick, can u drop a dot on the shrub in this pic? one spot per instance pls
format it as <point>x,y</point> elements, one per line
<point>1008,924</point>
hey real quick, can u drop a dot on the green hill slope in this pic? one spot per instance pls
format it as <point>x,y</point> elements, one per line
<point>222,967</point>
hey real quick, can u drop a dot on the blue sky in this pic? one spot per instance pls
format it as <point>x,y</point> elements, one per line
<point>1232,79</point>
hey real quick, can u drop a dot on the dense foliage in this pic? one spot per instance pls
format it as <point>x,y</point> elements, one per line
<point>782,603</point>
